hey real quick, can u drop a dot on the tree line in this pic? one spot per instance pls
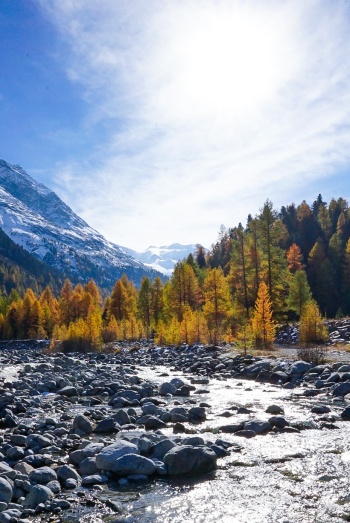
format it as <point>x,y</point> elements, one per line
<point>282,266</point>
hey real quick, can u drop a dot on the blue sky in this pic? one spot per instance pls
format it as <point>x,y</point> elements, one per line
<point>159,121</point>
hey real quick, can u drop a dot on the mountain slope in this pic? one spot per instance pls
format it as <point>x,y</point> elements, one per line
<point>34,217</point>
<point>19,269</point>
<point>163,258</point>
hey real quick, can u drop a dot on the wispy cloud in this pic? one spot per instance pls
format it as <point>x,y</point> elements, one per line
<point>212,107</point>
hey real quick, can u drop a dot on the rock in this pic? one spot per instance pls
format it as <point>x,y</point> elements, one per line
<point>278,422</point>
<point>167,388</point>
<point>244,433</point>
<point>82,423</point>
<point>130,464</point>
<point>105,459</point>
<point>320,409</point>
<point>274,409</point>
<point>5,491</point>
<point>42,475</point>
<point>232,428</point>
<point>94,479</point>
<point>161,448</point>
<point>300,367</point>
<point>196,415</point>
<point>184,460</point>
<point>68,391</point>
<point>107,426</point>
<point>257,426</point>
<point>66,473</point>
<point>345,415</point>
<point>342,389</point>
<point>38,494</point>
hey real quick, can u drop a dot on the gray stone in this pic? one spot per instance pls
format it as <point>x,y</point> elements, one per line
<point>121,417</point>
<point>161,448</point>
<point>300,367</point>
<point>257,426</point>
<point>88,466</point>
<point>81,422</point>
<point>68,391</point>
<point>5,491</point>
<point>105,459</point>
<point>107,426</point>
<point>38,494</point>
<point>167,388</point>
<point>274,409</point>
<point>94,479</point>
<point>342,389</point>
<point>133,464</point>
<point>42,475</point>
<point>185,459</point>
<point>65,473</point>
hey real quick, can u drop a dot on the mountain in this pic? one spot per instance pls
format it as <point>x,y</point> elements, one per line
<point>34,217</point>
<point>19,270</point>
<point>163,259</point>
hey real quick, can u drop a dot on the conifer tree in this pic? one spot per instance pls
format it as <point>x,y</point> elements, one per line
<point>299,292</point>
<point>311,326</point>
<point>217,307</point>
<point>262,324</point>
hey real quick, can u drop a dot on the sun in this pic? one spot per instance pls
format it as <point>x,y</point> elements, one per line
<point>223,59</point>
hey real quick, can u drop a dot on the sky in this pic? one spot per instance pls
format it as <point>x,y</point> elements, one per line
<point>157,121</point>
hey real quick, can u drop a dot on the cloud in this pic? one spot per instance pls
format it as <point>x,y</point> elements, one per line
<point>212,106</point>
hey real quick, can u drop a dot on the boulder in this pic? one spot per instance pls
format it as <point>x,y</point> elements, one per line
<point>106,458</point>
<point>185,460</point>
<point>5,491</point>
<point>130,464</point>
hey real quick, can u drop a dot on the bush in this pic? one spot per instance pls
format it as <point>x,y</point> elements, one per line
<point>315,355</point>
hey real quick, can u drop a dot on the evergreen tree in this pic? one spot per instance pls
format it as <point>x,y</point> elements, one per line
<point>299,292</point>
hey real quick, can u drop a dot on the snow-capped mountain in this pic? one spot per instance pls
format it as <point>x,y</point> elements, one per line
<point>34,217</point>
<point>163,259</point>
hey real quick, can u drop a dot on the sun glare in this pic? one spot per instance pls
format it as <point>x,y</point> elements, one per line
<point>223,61</point>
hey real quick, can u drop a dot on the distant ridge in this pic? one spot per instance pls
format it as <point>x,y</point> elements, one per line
<point>164,258</point>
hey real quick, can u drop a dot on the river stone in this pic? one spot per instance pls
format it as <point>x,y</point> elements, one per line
<point>244,433</point>
<point>300,367</point>
<point>66,473</point>
<point>68,391</point>
<point>232,428</point>
<point>37,441</point>
<point>161,448</point>
<point>259,427</point>
<point>274,409</point>
<point>38,494</point>
<point>196,414</point>
<point>153,423</point>
<point>94,479</point>
<point>121,417</point>
<point>167,388</point>
<point>105,459</point>
<point>185,459</point>
<point>42,475</point>
<point>107,426</point>
<point>130,464</point>
<point>5,491</point>
<point>81,422</point>
<point>320,409</point>
<point>345,415</point>
<point>342,389</point>
<point>278,421</point>
<point>88,466</point>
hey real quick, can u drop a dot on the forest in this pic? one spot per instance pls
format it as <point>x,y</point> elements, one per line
<point>282,266</point>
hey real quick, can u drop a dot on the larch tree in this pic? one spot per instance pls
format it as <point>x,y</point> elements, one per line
<point>294,258</point>
<point>299,292</point>
<point>311,325</point>
<point>262,324</point>
<point>217,306</point>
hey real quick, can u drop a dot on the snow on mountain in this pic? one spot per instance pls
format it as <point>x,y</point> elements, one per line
<point>34,217</point>
<point>163,259</point>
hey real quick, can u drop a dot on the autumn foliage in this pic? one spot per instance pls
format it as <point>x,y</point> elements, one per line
<point>287,265</point>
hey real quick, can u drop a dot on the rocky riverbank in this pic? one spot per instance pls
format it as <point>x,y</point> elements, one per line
<point>73,424</point>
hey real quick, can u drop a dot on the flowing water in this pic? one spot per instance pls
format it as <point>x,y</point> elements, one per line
<point>285,477</point>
